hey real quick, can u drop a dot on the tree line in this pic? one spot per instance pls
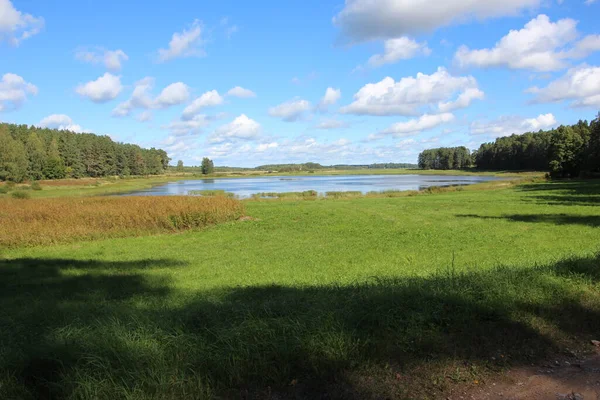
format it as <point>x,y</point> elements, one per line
<point>568,150</point>
<point>445,158</point>
<point>32,153</point>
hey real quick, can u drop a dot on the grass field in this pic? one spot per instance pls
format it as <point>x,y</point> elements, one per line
<point>352,297</point>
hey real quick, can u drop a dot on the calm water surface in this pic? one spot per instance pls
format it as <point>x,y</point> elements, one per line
<point>245,187</point>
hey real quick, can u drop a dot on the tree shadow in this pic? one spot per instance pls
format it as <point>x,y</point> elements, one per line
<point>119,335</point>
<point>268,336</point>
<point>38,296</point>
<point>557,219</point>
<point>570,193</point>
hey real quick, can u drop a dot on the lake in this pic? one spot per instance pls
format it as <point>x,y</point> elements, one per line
<point>246,187</point>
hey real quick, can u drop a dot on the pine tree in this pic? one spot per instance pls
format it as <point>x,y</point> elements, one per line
<point>36,153</point>
<point>13,158</point>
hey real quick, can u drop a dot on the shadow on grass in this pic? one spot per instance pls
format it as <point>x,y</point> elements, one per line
<point>94,340</point>
<point>572,193</point>
<point>557,219</point>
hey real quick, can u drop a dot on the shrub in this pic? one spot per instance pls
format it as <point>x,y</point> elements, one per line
<point>4,189</point>
<point>36,186</point>
<point>20,194</point>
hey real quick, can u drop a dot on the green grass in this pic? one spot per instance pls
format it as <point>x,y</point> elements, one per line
<point>353,297</point>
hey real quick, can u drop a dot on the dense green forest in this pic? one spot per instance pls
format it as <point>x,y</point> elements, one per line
<point>565,151</point>
<point>39,153</point>
<point>445,158</point>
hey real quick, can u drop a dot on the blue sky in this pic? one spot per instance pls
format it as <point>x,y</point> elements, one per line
<point>329,81</point>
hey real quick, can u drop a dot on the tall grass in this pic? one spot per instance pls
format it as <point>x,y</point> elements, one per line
<point>45,221</point>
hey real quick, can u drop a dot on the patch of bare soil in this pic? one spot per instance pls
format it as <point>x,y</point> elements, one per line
<point>561,379</point>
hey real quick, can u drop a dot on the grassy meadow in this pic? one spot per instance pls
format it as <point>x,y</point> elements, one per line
<point>348,297</point>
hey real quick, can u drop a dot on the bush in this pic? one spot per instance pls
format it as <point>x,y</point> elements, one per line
<point>20,194</point>
<point>36,186</point>
<point>4,189</point>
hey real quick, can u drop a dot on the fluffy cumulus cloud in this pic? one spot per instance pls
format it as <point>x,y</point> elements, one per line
<point>141,97</point>
<point>290,111</point>
<point>464,100</point>
<point>580,86</point>
<point>14,91</point>
<point>191,126</point>
<point>111,59</point>
<point>362,20</point>
<point>266,146</point>
<point>402,48</point>
<point>105,88</point>
<point>413,127</point>
<point>60,121</point>
<point>16,26</point>
<point>508,125</point>
<point>208,99</point>
<point>542,45</point>
<point>187,43</point>
<point>330,98</point>
<point>410,95</point>
<point>241,92</point>
<point>241,128</point>
<point>175,93</point>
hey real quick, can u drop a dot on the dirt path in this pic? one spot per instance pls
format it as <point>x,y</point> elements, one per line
<point>571,379</point>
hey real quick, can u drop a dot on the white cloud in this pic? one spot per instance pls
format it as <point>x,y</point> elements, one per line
<point>105,88</point>
<point>464,100</point>
<point>579,85</point>
<point>415,126</point>
<point>508,125</point>
<point>330,98</point>
<point>60,122</point>
<point>241,128</point>
<point>291,110</point>
<point>13,91</point>
<point>192,126</point>
<point>410,95</point>
<point>589,2</point>
<point>362,20</point>
<point>266,146</point>
<point>240,92</point>
<point>140,98</point>
<point>541,45</point>
<point>329,124</point>
<point>111,59</point>
<point>174,94</point>
<point>208,99</point>
<point>402,48</point>
<point>185,44</point>
<point>16,26</point>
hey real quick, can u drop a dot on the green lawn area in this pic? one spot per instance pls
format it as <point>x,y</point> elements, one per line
<point>356,298</point>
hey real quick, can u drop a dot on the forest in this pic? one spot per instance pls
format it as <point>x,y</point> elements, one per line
<point>445,158</point>
<point>567,151</point>
<point>564,151</point>
<point>32,153</point>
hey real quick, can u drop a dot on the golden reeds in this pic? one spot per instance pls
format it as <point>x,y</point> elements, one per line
<point>44,221</point>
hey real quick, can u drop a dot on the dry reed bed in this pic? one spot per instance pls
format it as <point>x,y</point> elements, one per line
<point>47,221</point>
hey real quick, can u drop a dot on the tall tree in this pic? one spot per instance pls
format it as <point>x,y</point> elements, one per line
<point>207,166</point>
<point>13,158</point>
<point>36,153</point>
